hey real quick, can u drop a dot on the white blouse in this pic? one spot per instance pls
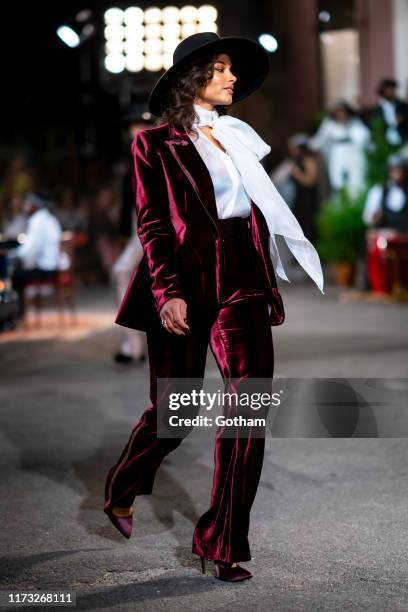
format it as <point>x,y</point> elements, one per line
<point>231,198</point>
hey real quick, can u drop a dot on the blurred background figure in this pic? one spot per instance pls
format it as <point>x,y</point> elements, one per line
<point>392,111</point>
<point>72,211</point>
<point>386,213</point>
<point>72,217</point>
<point>303,175</point>
<point>39,256</point>
<point>302,181</point>
<point>133,346</point>
<point>387,205</point>
<point>17,179</point>
<point>342,138</point>
<point>15,220</point>
<point>103,234</point>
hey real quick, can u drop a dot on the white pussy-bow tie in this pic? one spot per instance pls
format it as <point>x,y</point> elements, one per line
<point>246,148</point>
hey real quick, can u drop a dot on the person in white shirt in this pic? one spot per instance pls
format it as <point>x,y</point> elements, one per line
<point>387,205</point>
<point>39,256</point>
<point>342,138</point>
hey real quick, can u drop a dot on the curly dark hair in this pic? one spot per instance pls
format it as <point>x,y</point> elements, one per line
<point>186,85</point>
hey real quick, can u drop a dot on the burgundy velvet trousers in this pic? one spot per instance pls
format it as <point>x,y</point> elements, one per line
<point>240,337</point>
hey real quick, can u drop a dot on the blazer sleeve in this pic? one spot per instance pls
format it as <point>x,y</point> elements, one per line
<point>153,221</point>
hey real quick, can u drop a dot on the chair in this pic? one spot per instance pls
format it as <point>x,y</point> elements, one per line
<point>61,286</point>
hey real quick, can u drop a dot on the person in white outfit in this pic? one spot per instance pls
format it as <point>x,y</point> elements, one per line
<point>39,257</point>
<point>342,138</point>
<point>133,346</point>
<point>386,205</point>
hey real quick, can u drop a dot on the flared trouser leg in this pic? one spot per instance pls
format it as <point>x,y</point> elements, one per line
<point>240,337</point>
<point>241,341</point>
<point>171,357</point>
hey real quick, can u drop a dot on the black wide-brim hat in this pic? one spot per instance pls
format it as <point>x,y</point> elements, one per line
<point>250,64</point>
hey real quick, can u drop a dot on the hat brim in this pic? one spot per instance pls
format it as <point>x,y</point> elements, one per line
<point>250,64</point>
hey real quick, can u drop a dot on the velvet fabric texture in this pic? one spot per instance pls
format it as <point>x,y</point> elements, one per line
<point>238,330</point>
<point>177,222</point>
<point>223,270</point>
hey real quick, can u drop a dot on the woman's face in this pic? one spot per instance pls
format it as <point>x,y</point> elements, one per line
<point>219,89</point>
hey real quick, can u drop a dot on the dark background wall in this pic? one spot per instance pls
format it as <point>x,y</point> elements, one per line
<point>55,101</point>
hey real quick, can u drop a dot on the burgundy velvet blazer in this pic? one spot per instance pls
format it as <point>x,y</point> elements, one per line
<point>177,221</point>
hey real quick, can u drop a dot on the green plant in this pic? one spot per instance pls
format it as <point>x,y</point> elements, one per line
<point>341,227</point>
<point>377,154</point>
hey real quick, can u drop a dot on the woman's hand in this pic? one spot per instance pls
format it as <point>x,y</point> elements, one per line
<point>174,315</point>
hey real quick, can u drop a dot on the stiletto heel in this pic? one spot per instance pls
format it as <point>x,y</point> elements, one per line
<point>225,571</point>
<point>123,524</point>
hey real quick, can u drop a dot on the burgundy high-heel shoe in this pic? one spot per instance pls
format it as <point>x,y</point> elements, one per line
<point>225,571</point>
<point>123,524</point>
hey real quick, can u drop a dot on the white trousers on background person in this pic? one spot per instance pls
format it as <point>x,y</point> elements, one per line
<point>134,342</point>
<point>347,166</point>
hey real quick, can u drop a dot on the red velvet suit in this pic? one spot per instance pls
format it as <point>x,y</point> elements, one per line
<point>222,268</point>
<point>177,218</point>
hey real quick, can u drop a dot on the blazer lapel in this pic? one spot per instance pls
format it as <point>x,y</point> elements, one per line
<point>195,170</point>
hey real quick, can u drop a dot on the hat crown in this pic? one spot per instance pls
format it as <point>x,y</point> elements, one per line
<point>191,43</point>
<point>244,52</point>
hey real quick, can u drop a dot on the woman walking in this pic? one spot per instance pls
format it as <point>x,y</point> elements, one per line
<point>207,213</point>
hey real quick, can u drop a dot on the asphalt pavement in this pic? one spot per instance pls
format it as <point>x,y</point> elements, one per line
<point>329,524</point>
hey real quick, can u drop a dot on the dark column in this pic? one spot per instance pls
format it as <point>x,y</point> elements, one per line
<point>374,20</point>
<point>291,97</point>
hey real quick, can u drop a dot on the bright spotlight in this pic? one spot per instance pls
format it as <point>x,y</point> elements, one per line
<point>171,30</point>
<point>169,44</point>
<point>68,36</point>
<point>114,46</point>
<point>134,46</point>
<point>207,12</point>
<point>324,16</point>
<point>115,63</point>
<point>114,32</point>
<point>133,15</point>
<point>153,45</point>
<point>154,62</point>
<point>188,14</point>
<point>170,14</point>
<point>135,63</point>
<point>152,15</point>
<point>113,16</point>
<point>134,32</point>
<point>153,30</point>
<point>187,29</point>
<point>144,39</point>
<point>268,42</point>
<point>207,27</point>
